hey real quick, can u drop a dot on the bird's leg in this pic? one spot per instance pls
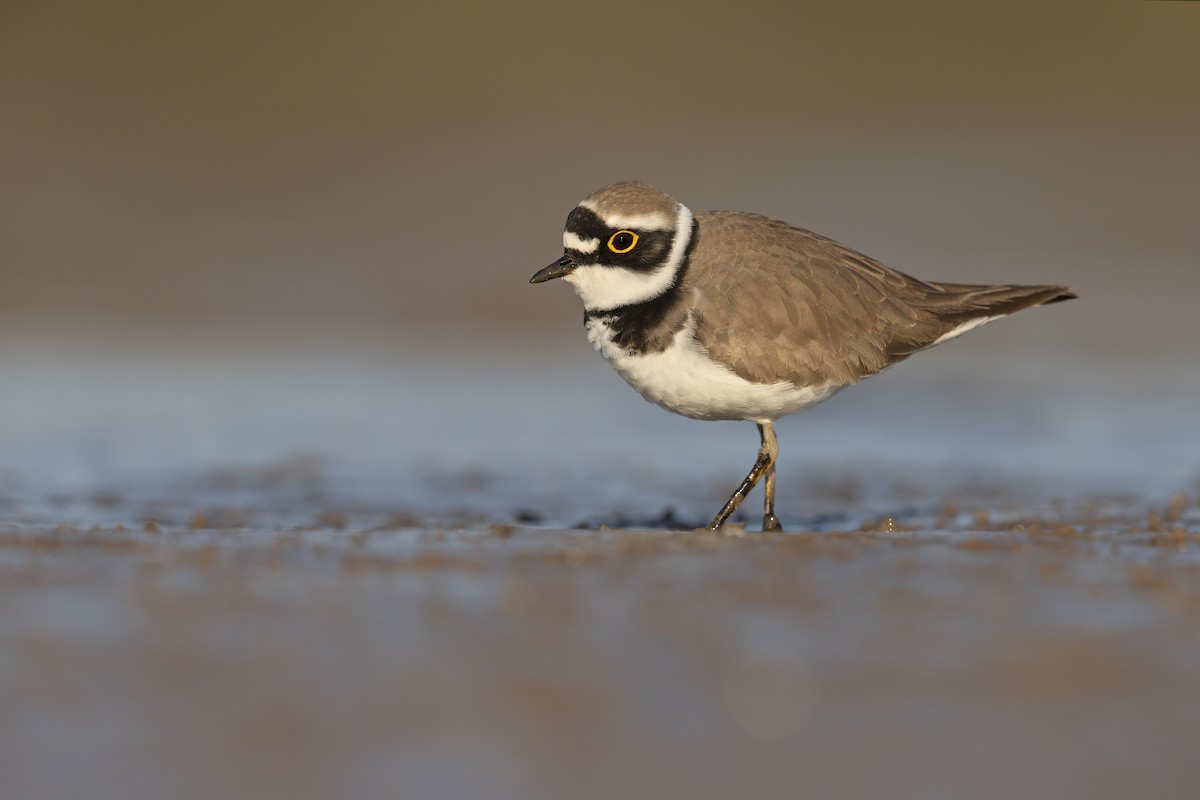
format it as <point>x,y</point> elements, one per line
<point>765,461</point>
<point>771,445</point>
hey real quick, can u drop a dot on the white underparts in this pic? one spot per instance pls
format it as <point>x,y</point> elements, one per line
<point>684,380</point>
<point>604,287</point>
<point>970,325</point>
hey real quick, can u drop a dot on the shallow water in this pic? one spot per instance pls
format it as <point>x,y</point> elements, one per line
<point>315,578</point>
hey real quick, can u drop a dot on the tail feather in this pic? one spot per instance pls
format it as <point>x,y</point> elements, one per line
<point>958,303</point>
<point>952,309</point>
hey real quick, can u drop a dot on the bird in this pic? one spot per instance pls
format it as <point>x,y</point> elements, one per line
<point>730,315</point>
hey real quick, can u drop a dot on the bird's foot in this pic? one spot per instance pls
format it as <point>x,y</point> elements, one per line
<point>736,530</point>
<point>771,523</point>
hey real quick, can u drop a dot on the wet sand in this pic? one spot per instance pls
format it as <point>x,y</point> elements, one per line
<point>959,652</point>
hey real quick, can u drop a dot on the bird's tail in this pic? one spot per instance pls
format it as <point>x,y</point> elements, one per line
<point>959,303</point>
<point>952,309</point>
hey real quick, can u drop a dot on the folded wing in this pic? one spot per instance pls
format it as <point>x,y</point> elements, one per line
<point>784,304</point>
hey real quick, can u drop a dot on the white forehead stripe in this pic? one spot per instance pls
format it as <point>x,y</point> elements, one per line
<point>635,222</point>
<point>573,241</point>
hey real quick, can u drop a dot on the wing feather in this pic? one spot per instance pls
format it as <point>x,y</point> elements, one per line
<point>785,304</point>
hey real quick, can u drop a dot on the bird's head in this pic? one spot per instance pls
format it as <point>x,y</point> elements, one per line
<point>622,245</point>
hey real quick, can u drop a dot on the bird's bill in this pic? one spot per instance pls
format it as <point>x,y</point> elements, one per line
<point>564,266</point>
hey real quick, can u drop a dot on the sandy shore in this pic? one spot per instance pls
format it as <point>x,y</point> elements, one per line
<point>957,653</point>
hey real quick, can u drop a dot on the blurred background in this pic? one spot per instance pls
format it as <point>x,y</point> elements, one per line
<point>267,175</point>
<point>227,198</point>
<point>263,268</point>
<point>238,231</point>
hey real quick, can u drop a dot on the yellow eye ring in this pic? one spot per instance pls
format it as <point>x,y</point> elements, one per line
<point>622,241</point>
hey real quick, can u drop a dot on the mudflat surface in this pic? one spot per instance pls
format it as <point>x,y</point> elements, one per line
<point>1046,652</point>
<point>318,582</point>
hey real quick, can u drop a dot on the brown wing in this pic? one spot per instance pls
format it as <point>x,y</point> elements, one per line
<point>785,304</point>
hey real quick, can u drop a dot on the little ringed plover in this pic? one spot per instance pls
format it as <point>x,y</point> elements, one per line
<point>725,315</point>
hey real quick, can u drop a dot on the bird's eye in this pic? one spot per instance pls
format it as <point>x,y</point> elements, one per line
<point>622,241</point>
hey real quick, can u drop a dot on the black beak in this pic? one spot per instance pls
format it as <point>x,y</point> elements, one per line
<point>564,266</point>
